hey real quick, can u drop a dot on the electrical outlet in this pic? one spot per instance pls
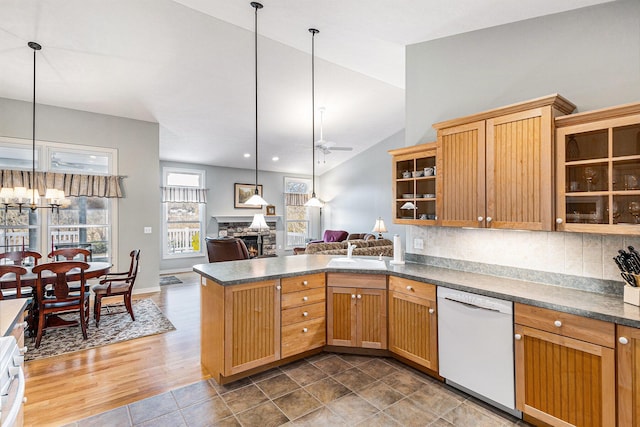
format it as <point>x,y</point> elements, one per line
<point>418,243</point>
<point>147,230</point>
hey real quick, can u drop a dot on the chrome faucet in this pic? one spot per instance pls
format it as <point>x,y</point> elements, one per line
<point>350,247</point>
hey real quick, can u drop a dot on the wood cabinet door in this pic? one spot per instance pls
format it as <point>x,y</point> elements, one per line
<point>461,175</point>
<point>212,327</point>
<point>413,329</point>
<point>371,318</point>
<point>563,381</point>
<point>252,325</point>
<point>628,353</point>
<point>519,170</point>
<point>341,316</point>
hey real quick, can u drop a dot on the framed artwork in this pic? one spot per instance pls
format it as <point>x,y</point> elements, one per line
<point>242,193</point>
<point>271,210</point>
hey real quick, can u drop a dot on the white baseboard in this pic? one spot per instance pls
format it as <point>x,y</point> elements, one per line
<point>176,270</point>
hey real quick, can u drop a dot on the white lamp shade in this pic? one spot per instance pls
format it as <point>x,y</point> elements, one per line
<point>20,192</point>
<point>6,193</point>
<point>258,223</point>
<point>379,227</point>
<point>313,202</point>
<point>256,200</point>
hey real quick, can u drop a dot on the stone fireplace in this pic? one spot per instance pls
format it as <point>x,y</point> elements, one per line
<point>239,227</point>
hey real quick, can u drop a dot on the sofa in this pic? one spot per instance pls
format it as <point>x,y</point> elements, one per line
<point>370,247</point>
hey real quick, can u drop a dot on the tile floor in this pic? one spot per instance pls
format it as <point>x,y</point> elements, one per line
<point>323,390</point>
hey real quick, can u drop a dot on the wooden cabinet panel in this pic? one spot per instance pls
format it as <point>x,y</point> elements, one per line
<point>628,386</point>
<point>303,336</point>
<point>303,313</point>
<point>411,287</point>
<point>309,296</point>
<point>341,316</point>
<point>413,328</point>
<point>301,283</point>
<point>212,339</point>
<point>252,325</point>
<point>356,280</point>
<point>371,309</point>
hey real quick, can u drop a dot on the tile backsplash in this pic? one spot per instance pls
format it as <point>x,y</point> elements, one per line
<point>577,254</point>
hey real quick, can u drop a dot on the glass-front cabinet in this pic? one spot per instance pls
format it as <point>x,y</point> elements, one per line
<point>414,184</point>
<point>598,171</point>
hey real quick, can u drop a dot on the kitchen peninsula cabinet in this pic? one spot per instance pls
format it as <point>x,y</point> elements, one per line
<point>240,326</point>
<point>494,169</point>
<point>628,358</point>
<point>414,184</point>
<point>303,313</point>
<point>357,310</point>
<point>413,324</point>
<point>598,171</point>
<point>565,368</point>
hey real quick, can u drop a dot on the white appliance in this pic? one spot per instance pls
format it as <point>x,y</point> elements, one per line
<point>12,383</point>
<point>475,346</point>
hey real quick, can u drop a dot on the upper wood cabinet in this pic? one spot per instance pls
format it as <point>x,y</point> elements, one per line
<point>598,171</point>
<point>414,184</point>
<point>495,169</point>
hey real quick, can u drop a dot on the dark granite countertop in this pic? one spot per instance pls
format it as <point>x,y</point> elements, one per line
<point>609,308</point>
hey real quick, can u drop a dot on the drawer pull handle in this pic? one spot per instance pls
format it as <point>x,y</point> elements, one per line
<point>23,350</point>
<point>359,296</point>
<point>518,337</point>
<point>353,296</point>
<point>305,314</point>
<point>305,298</point>
<point>278,287</point>
<point>480,219</point>
<point>409,288</point>
<point>305,283</point>
<point>431,311</point>
<point>305,330</point>
<point>489,219</point>
<point>559,221</point>
<point>22,325</point>
<point>557,323</point>
<point>623,340</point>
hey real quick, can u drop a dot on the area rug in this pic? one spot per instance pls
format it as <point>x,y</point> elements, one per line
<point>169,280</point>
<point>113,328</point>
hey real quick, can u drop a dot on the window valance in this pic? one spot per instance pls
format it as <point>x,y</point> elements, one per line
<point>72,184</point>
<point>184,194</point>
<point>295,199</point>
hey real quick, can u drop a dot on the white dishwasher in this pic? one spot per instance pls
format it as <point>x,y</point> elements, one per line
<point>475,346</point>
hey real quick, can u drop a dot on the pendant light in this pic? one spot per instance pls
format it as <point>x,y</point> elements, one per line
<point>256,199</point>
<point>17,196</point>
<point>313,202</point>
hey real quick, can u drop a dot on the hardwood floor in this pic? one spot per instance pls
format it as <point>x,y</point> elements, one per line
<point>74,386</point>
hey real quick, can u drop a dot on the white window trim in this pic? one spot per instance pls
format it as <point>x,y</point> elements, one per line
<point>165,244</point>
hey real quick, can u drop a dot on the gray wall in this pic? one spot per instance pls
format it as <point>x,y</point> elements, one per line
<point>220,182</point>
<point>137,144</point>
<point>358,191</point>
<point>591,56</point>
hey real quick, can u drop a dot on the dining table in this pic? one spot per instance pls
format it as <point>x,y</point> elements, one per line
<point>96,269</point>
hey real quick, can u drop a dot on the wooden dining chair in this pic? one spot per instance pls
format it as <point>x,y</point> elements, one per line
<point>17,257</point>
<point>13,289</point>
<point>60,298</point>
<point>70,254</point>
<point>115,284</point>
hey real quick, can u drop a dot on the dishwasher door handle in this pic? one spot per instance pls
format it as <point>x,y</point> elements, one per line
<point>472,306</point>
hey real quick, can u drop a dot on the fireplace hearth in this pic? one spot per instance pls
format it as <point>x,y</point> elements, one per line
<point>242,231</point>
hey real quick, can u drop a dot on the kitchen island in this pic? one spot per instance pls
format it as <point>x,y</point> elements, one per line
<point>257,314</point>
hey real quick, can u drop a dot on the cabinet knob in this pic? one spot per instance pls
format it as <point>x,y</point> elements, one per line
<point>22,325</point>
<point>623,340</point>
<point>305,298</point>
<point>304,330</point>
<point>353,296</point>
<point>359,296</point>
<point>278,287</point>
<point>489,219</point>
<point>23,350</point>
<point>305,313</point>
<point>431,311</point>
<point>518,337</point>
<point>409,288</point>
<point>557,323</point>
<point>480,219</point>
<point>559,220</point>
<point>305,283</point>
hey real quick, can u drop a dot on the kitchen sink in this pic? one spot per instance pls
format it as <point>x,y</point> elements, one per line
<point>357,263</point>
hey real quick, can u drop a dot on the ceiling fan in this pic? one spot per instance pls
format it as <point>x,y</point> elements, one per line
<point>326,147</point>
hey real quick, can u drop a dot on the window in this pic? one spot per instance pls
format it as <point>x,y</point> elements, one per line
<point>296,215</point>
<point>183,212</point>
<point>87,222</point>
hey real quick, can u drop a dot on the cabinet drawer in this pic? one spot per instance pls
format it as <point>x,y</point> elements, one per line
<point>303,336</point>
<point>411,287</point>
<point>565,324</point>
<point>302,313</point>
<point>309,296</point>
<point>356,280</point>
<point>300,283</point>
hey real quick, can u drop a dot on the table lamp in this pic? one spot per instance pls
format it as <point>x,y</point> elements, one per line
<point>379,227</point>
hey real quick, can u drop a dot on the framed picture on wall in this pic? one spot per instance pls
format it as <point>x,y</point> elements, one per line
<point>242,193</point>
<point>271,210</point>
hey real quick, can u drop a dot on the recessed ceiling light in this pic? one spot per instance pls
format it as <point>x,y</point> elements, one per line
<point>275,158</point>
<point>247,155</point>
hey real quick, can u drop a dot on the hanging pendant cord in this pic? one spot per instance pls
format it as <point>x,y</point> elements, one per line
<point>313,32</point>
<point>35,46</point>
<point>257,6</point>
